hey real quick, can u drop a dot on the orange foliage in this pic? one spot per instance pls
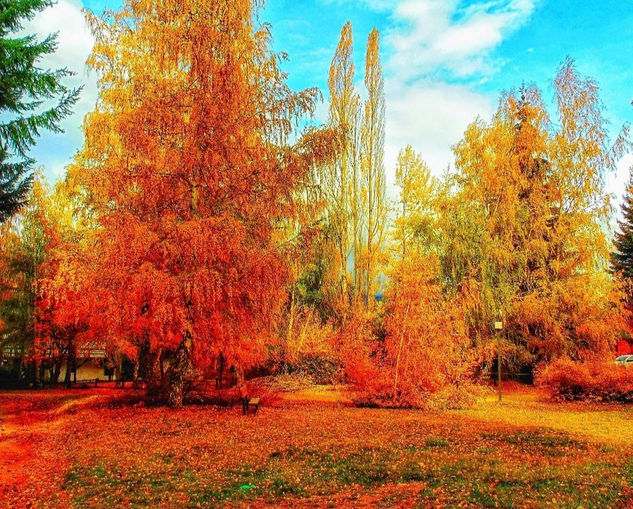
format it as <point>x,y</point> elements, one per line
<point>594,380</point>
<point>360,352</point>
<point>427,344</point>
<point>421,354</point>
<point>579,317</point>
<point>187,169</point>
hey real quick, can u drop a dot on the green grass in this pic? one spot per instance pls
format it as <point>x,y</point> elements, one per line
<point>99,486</point>
<point>301,473</point>
<point>436,442</point>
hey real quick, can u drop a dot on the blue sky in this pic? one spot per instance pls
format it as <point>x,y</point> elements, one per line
<point>445,61</point>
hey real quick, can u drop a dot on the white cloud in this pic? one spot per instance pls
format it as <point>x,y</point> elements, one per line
<point>373,5</point>
<point>430,116</point>
<point>616,182</point>
<point>439,35</point>
<point>437,52</point>
<point>74,46</point>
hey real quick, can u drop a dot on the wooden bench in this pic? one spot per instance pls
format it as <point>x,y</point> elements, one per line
<point>248,403</point>
<point>253,402</point>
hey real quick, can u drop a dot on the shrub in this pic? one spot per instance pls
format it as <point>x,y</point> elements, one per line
<point>306,335</point>
<point>589,381</point>
<point>413,352</point>
<point>449,397</point>
<point>362,352</point>
<point>284,382</point>
<point>320,369</point>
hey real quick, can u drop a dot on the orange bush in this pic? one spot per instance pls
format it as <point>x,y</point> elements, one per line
<point>420,354</point>
<point>361,352</point>
<point>593,381</point>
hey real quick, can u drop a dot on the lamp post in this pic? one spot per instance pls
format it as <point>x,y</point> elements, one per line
<point>499,328</point>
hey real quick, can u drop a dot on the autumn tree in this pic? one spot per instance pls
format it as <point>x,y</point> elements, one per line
<point>429,354</point>
<point>341,182</point>
<point>355,185</point>
<point>65,294</point>
<point>186,164</point>
<point>524,228</point>
<point>24,247</point>
<point>313,287</point>
<point>422,354</point>
<point>588,314</point>
<point>24,91</point>
<point>415,224</point>
<point>373,170</point>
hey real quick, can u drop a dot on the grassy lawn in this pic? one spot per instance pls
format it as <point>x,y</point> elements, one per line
<point>89,449</point>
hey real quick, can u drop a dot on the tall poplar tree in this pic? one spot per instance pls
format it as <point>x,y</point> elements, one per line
<point>342,179</point>
<point>26,92</point>
<point>372,162</point>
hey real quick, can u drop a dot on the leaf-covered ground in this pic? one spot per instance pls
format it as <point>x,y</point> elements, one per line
<point>93,449</point>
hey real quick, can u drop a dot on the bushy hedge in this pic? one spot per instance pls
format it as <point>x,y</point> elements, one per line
<point>588,381</point>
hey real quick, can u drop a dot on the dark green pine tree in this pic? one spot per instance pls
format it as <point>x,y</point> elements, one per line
<point>622,257</point>
<point>31,99</point>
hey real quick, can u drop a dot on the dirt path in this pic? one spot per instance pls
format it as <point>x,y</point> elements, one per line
<point>14,457</point>
<point>32,440</point>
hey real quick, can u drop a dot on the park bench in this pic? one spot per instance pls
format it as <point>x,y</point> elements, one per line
<point>253,403</point>
<point>247,402</point>
<point>86,383</point>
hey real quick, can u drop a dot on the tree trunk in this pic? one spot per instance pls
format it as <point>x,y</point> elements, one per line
<point>18,371</point>
<point>180,373</point>
<point>291,322</point>
<point>135,375</point>
<point>219,379</point>
<point>153,378</point>
<point>37,379</point>
<point>71,355</point>
<point>56,369</point>
<point>161,367</point>
<point>149,370</point>
<point>37,362</point>
<point>67,379</point>
<point>397,369</point>
<point>118,364</point>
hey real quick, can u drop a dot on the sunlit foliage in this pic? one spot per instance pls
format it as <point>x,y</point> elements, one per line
<point>189,171</point>
<point>526,223</point>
